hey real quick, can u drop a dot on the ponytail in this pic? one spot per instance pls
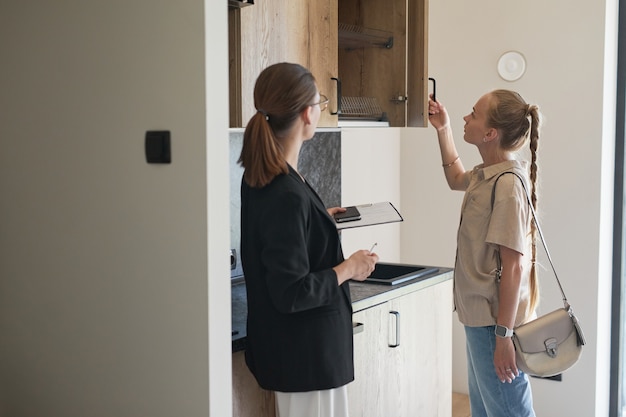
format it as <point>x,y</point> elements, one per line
<point>261,154</point>
<point>281,92</point>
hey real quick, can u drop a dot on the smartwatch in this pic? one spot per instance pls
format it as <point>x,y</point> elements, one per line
<point>502,331</point>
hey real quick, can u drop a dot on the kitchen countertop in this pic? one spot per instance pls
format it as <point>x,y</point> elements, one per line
<point>364,295</point>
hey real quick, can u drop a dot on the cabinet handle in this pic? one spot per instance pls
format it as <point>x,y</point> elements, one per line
<point>434,88</point>
<point>338,81</point>
<point>396,342</point>
<point>357,328</point>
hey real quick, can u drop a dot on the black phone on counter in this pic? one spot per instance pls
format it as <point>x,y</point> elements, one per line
<point>351,214</point>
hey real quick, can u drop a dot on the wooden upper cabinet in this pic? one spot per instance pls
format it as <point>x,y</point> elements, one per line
<point>383,60</point>
<point>321,58</point>
<point>272,31</point>
<point>375,49</point>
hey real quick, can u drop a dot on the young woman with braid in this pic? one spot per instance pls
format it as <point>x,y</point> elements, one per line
<point>500,124</point>
<point>299,329</point>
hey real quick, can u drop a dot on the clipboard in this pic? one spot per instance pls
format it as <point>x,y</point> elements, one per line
<point>372,214</point>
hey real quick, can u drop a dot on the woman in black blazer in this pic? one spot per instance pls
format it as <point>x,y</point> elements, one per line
<point>299,329</point>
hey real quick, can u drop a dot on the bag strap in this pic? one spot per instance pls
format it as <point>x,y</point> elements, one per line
<point>543,241</point>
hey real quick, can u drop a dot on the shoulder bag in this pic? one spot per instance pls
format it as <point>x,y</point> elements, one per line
<point>552,343</point>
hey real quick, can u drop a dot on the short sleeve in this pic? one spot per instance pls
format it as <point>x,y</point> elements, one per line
<point>509,223</point>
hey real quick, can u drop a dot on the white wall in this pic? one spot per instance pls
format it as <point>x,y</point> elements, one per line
<point>567,75</point>
<point>109,265</point>
<point>370,173</point>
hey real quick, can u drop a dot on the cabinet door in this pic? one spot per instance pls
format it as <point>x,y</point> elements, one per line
<point>378,75</point>
<point>403,356</point>
<point>368,396</point>
<point>424,364</point>
<point>272,31</point>
<point>318,27</point>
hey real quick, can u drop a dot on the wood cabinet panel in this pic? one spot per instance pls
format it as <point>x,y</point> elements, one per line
<point>321,31</point>
<point>368,395</point>
<point>234,67</point>
<point>249,400</point>
<point>272,31</point>
<point>264,41</point>
<point>425,352</point>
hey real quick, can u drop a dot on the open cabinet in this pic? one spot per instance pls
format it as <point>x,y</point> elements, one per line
<point>382,61</point>
<point>361,52</point>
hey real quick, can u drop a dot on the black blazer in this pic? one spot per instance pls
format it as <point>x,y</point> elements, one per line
<point>299,328</point>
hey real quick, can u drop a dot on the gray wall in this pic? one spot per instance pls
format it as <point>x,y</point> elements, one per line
<point>105,296</point>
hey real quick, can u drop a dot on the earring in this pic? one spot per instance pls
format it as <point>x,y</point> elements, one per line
<point>485,140</point>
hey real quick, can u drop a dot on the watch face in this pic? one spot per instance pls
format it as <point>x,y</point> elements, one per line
<point>503,331</point>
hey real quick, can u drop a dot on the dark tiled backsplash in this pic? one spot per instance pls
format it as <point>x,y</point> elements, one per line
<point>320,164</point>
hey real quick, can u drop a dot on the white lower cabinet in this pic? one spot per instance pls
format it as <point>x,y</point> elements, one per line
<point>402,359</point>
<point>403,356</point>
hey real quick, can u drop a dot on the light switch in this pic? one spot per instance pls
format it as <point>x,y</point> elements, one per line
<point>158,150</point>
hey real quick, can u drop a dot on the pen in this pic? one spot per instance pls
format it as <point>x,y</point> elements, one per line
<point>373,246</point>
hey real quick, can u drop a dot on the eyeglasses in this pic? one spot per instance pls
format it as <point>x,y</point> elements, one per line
<point>323,103</point>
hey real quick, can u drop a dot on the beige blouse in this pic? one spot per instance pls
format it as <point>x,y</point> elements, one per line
<point>481,231</point>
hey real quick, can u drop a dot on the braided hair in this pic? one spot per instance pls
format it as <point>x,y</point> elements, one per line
<point>518,123</point>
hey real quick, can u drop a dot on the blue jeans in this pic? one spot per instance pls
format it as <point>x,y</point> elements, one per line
<point>489,397</point>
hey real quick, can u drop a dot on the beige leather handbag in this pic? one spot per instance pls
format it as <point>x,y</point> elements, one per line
<point>552,343</point>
